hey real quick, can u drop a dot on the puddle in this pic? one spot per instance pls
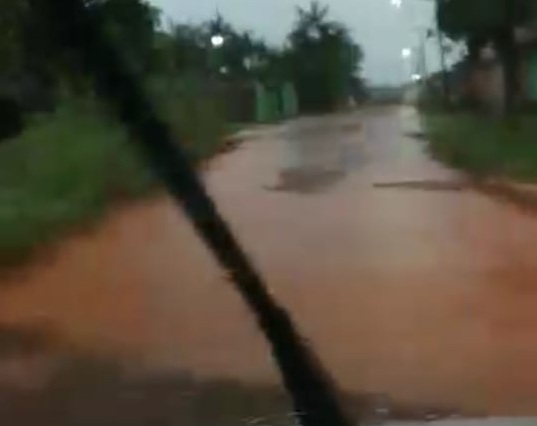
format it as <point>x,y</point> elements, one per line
<point>416,135</point>
<point>425,185</point>
<point>306,181</point>
<point>521,199</point>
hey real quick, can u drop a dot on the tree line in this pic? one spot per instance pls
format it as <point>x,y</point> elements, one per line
<point>319,55</point>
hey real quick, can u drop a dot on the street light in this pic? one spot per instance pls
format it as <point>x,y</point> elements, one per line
<point>406,53</point>
<point>217,40</point>
<point>440,40</point>
<point>416,77</point>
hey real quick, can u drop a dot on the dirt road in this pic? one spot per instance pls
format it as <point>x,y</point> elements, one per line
<point>406,281</point>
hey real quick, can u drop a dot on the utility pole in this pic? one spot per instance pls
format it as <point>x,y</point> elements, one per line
<point>422,60</point>
<point>440,40</point>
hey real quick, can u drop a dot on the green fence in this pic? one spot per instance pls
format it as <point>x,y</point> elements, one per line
<point>275,102</point>
<point>237,102</point>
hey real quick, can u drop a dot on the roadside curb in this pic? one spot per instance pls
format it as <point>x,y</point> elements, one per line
<point>522,195</point>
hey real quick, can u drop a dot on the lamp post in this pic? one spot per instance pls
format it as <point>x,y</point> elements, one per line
<point>408,57</point>
<point>417,68</point>
<point>440,40</point>
<point>217,41</point>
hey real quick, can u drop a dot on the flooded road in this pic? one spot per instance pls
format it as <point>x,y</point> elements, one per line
<point>406,281</point>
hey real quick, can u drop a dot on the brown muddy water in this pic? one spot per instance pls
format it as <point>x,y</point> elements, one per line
<point>425,292</point>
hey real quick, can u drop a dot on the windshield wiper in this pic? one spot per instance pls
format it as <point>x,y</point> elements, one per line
<point>313,392</point>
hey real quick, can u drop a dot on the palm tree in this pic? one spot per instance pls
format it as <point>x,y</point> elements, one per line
<point>324,58</point>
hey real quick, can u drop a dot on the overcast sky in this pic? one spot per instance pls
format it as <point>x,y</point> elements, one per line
<point>381,29</point>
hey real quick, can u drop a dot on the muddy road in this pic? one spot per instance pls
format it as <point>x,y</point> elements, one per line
<point>406,281</point>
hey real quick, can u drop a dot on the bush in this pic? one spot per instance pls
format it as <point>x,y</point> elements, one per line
<point>67,167</point>
<point>64,169</point>
<point>195,112</point>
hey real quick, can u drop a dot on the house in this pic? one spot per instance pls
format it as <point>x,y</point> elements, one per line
<point>527,39</point>
<point>481,82</point>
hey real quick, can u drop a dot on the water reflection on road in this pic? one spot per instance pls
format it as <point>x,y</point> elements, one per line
<point>413,291</point>
<point>318,152</point>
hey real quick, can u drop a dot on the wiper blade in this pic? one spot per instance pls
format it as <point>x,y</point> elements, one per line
<point>313,393</point>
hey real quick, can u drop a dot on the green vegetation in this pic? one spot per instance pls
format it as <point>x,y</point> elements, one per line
<point>479,23</point>
<point>485,147</point>
<point>67,168</point>
<point>319,57</point>
<point>197,118</point>
<point>73,160</point>
<point>323,61</point>
<point>62,171</point>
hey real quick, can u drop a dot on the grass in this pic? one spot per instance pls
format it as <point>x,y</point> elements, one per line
<point>63,170</point>
<point>485,146</point>
<point>67,168</point>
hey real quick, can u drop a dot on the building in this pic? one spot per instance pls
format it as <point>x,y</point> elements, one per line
<point>481,82</point>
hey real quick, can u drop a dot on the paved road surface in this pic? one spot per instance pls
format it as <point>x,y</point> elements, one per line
<point>406,281</point>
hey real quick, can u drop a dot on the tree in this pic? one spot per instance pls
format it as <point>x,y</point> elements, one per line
<point>28,55</point>
<point>32,64</point>
<point>190,48</point>
<point>11,18</point>
<point>323,59</point>
<point>132,25</point>
<point>479,22</point>
<point>242,55</point>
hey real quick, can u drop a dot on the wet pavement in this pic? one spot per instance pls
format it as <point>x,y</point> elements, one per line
<point>407,282</point>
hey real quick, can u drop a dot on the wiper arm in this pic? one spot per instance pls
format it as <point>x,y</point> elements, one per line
<point>313,393</point>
